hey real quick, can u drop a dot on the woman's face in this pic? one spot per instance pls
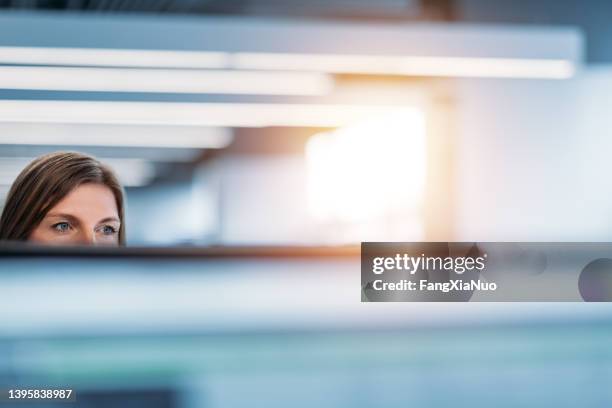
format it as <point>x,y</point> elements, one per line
<point>86,216</point>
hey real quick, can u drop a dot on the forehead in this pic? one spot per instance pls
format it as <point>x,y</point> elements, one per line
<point>88,200</point>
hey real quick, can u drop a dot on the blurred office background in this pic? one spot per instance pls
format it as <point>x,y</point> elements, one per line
<point>296,123</point>
<point>321,122</point>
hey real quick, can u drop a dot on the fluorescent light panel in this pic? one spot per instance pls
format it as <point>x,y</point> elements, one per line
<point>410,66</point>
<point>59,134</point>
<point>105,57</point>
<point>190,114</point>
<point>329,63</point>
<point>165,80</point>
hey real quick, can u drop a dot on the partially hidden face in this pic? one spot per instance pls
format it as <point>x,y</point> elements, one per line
<point>88,215</point>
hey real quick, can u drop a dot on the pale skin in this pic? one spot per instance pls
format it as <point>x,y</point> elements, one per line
<point>86,216</point>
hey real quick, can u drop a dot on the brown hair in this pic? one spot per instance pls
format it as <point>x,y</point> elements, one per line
<point>46,181</point>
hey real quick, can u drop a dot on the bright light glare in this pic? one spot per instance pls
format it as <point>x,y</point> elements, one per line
<point>374,170</point>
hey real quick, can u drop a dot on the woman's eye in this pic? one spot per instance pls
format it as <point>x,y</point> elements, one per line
<point>61,227</point>
<point>109,230</point>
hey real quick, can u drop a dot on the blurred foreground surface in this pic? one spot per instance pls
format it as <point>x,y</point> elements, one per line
<point>276,329</point>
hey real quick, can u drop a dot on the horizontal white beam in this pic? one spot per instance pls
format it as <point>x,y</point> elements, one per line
<point>191,114</point>
<point>67,134</point>
<point>156,80</point>
<point>249,43</point>
<point>305,76</point>
<point>410,65</point>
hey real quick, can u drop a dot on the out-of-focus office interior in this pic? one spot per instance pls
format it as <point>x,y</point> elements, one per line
<point>259,142</point>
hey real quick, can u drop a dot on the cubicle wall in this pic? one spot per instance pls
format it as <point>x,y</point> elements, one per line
<point>279,327</point>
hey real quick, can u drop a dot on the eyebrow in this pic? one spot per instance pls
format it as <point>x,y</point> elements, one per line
<point>109,219</point>
<point>75,220</point>
<point>61,215</point>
